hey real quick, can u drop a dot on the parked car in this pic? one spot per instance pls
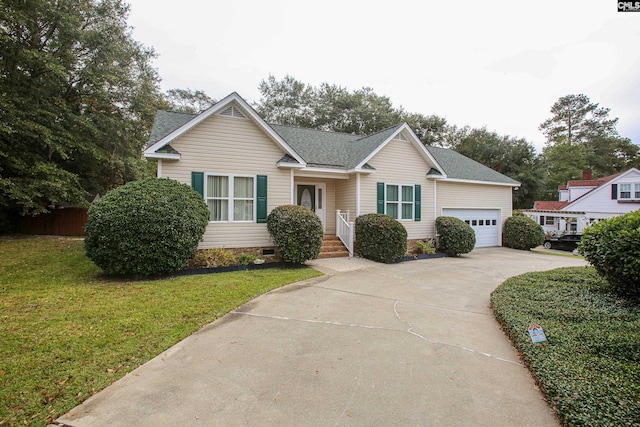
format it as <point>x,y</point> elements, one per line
<point>568,242</point>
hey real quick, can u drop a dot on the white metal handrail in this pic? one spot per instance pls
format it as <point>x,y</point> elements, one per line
<point>344,230</point>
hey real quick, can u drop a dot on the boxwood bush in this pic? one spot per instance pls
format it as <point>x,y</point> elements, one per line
<point>613,248</point>
<point>296,232</point>
<point>380,238</point>
<point>521,232</point>
<point>148,227</point>
<point>456,237</point>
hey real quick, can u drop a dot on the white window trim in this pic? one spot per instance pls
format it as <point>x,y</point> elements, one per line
<point>231,200</point>
<point>399,203</point>
<point>632,191</point>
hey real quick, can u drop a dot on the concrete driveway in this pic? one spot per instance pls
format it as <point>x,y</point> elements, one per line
<point>410,344</point>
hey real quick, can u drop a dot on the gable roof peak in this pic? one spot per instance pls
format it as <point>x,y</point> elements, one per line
<point>168,137</point>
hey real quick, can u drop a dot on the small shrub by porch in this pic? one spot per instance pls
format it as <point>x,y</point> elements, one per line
<point>381,238</point>
<point>296,232</point>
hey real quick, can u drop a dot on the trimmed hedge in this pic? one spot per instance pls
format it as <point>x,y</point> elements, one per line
<point>148,227</point>
<point>296,232</point>
<point>521,232</point>
<point>456,237</point>
<point>613,248</point>
<point>381,238</point>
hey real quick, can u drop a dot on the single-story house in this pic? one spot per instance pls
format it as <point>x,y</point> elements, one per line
<point>586,201</point>
<point>244,167</point>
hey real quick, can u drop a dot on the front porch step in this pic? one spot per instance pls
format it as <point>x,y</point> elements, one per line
<point>332,247</point>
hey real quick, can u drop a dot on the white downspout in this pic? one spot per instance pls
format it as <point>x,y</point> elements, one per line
<point>357,194</point>
<point>159,171</point>
<point>293,188</point>
<point>435,208</point>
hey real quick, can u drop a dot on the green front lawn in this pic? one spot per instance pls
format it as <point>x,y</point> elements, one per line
<point>590,368</point>
<point>67,332</point>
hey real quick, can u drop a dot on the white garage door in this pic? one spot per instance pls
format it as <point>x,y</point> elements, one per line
<point>485,222</point>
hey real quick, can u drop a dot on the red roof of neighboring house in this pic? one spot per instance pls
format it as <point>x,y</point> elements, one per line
<point>549,206</point>
<point>591,182</point>
<point>556,206</point>
<point>585,183</point>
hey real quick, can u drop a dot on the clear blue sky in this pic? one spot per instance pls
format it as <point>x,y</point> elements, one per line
<point>499,64</point>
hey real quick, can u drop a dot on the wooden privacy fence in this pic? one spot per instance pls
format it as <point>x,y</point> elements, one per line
<point>58,222</point>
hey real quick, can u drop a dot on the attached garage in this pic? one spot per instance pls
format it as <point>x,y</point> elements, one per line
<point>486,223</point>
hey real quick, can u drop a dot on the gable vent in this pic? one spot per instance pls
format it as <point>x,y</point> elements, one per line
<point>233,112</point>
<point>401,137</point>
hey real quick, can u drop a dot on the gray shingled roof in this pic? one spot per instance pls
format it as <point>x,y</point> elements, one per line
<point>328,149</point>
<point>340,150</point>
<point>363,147</point>
<point>166,122</point>
<point>457,166</point>
<point>332,149</point>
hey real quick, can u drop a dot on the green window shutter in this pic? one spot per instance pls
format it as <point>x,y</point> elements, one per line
<point>614,191</point>
<point>197,182</point>
<point>381,197</point>
<point>418,202</point>
<point>541,219</point>
<point>261,204</point>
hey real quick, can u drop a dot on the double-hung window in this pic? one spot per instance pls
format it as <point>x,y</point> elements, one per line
<point>637,191</point>
<point>399,201</point>
<point>625,191</point>
<point>230,198</point>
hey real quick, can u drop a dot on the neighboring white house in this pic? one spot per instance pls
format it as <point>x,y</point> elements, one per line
<point>586,201</point>
<point>244,167</point>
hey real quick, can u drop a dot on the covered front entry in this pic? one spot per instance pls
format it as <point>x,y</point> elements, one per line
<point>485,222</point>
<point>312,196</point>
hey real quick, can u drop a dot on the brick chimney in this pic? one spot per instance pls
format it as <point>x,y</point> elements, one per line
<point>587,175</point>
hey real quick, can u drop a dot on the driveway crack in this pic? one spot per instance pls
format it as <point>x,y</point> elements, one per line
<point>410,330</point>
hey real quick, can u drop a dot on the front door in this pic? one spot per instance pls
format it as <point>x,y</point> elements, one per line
<point>312,196</point>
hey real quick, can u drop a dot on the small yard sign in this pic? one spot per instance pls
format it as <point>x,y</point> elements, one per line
<point>537,334</point>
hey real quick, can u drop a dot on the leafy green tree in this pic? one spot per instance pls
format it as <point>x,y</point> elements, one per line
<point>334,108</point>
<point>77,95</point>
<point>514,157</point>
<point>286,102</point>
<point>606,155</point>
<point>563,162</point>
<point>188,101</point>
<point>432,130</point>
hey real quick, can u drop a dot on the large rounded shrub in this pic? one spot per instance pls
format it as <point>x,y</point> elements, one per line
<point>521,232</point>
<point>613,248</point>
<point>148,227</point>
<point>381,238</point>
<point>455,236</point>
<point>296,232</point>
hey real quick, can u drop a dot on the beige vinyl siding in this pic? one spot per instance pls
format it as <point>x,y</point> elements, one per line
<point>346,196</point>
<point>428,212</point>
<point>329,199</point>
<point>400,162</point>
<point>229,145</point>
<point>473,196</point>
